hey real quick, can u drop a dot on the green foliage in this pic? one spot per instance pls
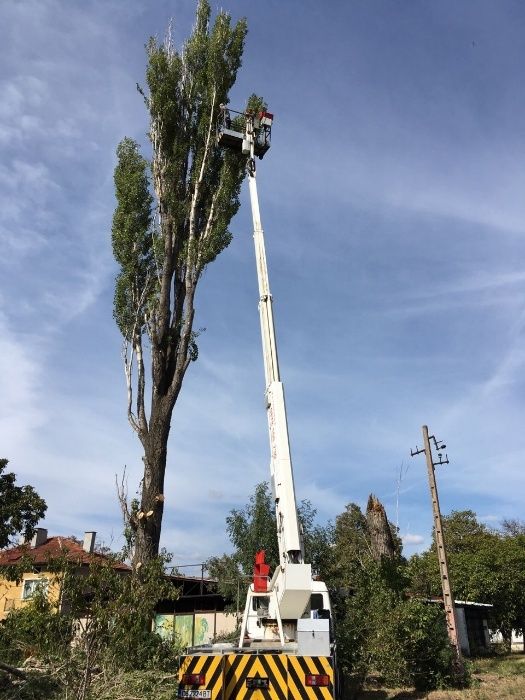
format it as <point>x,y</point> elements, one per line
<point>35,630</point>
<point>196,184</point>
<point>20,507</point>
<point>103,626</point>
<point>352,546</point>
<point>381,632</point>
<point>133,240</point>
<point>119,609</point>
<point>486,566</point>
<point>253,528</point>
<point>232,583</point>
<point>379,629</point>
<point>318,540</point>
<point>414,648</point>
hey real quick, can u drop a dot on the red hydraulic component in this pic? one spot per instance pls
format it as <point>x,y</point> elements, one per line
<point>261,571</point>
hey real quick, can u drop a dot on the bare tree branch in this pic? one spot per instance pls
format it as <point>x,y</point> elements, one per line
<point>12,670</point>
<point>128,371</point>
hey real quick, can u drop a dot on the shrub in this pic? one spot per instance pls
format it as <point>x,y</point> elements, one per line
<point>103,629</point>
<point>403,641</point>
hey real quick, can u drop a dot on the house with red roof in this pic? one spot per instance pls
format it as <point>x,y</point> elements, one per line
<point>36,558</point>
<point>195,617</point>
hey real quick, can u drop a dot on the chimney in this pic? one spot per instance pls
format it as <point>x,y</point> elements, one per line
<point>39,537</point>
<point>89,542</point>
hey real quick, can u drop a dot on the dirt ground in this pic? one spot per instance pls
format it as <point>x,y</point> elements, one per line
<point>498,678</point>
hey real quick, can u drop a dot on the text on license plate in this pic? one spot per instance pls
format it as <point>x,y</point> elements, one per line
<point>194,693</point>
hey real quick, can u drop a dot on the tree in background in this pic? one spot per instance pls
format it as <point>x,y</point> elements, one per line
<point>253,528</point>
<point>171,220</point>
<point>20,508</point>
<point>380,630</point>
<point>513,526</point>
<point>486,566</point>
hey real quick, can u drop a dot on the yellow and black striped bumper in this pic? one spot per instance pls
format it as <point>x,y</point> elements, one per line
<point>232,677</point>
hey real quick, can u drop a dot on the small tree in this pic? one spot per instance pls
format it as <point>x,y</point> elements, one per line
<point>253,528</point>
<point>163,240</point>
<point>20,508</point>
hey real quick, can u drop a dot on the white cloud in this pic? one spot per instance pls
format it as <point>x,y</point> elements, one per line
<point>490,518</point>
<point>412,539</point>
<point>21,405</point>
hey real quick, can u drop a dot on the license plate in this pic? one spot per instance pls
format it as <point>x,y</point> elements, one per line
<point>194,693</point>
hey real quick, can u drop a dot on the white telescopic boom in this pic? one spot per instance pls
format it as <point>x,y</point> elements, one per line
<point>288,529</point>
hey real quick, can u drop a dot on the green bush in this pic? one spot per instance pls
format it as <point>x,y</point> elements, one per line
<point>402,641</point>
<point>104,628</point>
<point>35,630</point>
<point>415,648</point>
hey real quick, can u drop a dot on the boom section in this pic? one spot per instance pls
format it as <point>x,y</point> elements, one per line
<point>288,530</point>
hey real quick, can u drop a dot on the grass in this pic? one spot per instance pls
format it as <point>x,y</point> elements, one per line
<point>494,678</point>
<point>512,665</point>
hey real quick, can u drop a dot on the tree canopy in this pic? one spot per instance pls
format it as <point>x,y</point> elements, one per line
<point>20,508</point>
<point>486,566</point>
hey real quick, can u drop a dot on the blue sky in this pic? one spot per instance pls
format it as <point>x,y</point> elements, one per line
<point>393,206</point>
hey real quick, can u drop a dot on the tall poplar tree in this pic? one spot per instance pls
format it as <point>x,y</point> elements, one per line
<point>171,220</point>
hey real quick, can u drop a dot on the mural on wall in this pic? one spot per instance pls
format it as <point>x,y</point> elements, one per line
<point>204,624</point>
<point>184,629</point>
<point>164,626</point>
<point>193,629</point>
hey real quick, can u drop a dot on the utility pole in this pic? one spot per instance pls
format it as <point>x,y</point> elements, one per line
<point>448,598</point>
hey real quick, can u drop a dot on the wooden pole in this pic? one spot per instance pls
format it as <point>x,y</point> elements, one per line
<point>448,598</point>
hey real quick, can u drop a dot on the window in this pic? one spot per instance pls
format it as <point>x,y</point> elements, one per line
<point>261,603</point>
<point>32,585</point>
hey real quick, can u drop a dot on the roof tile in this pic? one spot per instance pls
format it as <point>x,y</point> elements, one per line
<point>54,548</point>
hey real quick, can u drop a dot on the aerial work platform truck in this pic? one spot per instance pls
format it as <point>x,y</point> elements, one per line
<point>286,647</point>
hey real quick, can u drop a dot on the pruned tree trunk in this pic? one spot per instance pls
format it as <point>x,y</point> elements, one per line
<point>149,518</point>
<point>381,540</point>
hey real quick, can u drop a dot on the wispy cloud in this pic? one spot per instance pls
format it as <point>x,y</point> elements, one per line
<point>412,539</point>
<point>21,407</point>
